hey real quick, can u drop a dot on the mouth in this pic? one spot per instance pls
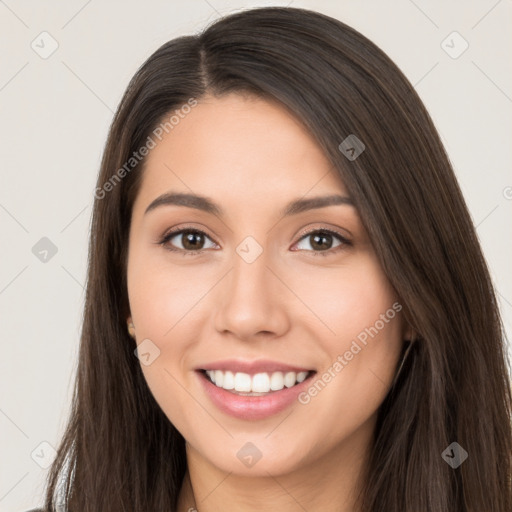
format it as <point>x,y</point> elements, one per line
<point>258,384</point>
<point>253,391</point>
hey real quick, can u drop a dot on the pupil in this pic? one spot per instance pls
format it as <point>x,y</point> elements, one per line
<point>317,239</point>
<point>194,239</point>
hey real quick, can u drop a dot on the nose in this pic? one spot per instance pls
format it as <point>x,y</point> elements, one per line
<point>251,301</point>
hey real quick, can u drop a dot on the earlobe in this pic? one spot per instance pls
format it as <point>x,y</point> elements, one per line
<point>409,334</point>
<point>131,327</point>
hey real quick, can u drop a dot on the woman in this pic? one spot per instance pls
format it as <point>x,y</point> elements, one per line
<point>287,306</point>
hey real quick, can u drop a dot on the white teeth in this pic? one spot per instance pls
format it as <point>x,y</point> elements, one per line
<point>261,383</point>
<point>242,381</point>
<point>258,383</point>
<point>219,378</point>
<point>301,376</point>
<point>229,381</point>
<point>276,381</point>
<point>289,379</point>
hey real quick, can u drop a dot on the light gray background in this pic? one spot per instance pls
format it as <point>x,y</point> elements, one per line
<point>55,114</point>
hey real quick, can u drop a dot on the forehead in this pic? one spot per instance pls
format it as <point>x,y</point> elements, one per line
<point>238,147</point>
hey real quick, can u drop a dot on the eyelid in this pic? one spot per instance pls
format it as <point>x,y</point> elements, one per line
<point>187,227</point>
<point>324,229</point>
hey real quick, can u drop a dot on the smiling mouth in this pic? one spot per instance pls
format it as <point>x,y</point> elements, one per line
<point>259,384</point>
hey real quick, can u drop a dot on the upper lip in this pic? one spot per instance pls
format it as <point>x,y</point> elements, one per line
<point>253,367</point>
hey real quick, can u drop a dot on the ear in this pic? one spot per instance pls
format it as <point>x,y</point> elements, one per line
<point>130,327</point>
<point>409,333</point>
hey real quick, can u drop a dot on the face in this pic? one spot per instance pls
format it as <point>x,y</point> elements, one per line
<point>289,312</point>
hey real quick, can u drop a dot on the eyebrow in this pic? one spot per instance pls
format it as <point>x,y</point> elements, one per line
<point>207,205</point>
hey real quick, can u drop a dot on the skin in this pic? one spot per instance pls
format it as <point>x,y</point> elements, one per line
<point>252,157</point>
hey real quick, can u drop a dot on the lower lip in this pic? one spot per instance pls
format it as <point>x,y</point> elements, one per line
<point>252,407</point>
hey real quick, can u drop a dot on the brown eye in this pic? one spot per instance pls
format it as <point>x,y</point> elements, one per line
<point>322,241</point>
<point>191,240</point>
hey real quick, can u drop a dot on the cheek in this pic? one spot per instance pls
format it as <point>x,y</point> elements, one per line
<point>348,299</point>
<point>363,340</point>
<point>164,295</point>
<point>167,311</point>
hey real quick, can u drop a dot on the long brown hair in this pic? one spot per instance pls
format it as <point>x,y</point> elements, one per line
<point>119,451</point>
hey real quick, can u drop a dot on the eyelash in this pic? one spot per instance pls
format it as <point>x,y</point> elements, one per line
<point>171,234</point>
